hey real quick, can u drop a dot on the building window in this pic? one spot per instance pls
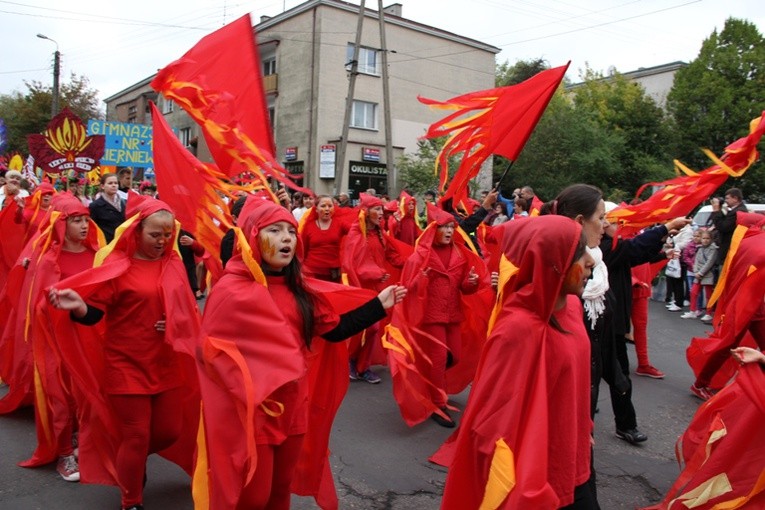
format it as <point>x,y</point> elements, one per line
<point>269,66</point>
<point>367,60</point>
<point>271,116</point>
<point>364,115</point>
<point>185,136</point>
<point>167,106</point>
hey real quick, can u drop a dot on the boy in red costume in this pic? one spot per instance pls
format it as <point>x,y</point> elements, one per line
<point>137,385</point>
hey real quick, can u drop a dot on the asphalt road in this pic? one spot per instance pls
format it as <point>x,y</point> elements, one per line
<point>380,463</point>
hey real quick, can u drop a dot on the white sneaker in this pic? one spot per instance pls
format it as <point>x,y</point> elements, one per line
<point>671,303</point>
<point>68,469</point>
<point>686,303</point>
<point>707,318</point>
<point>674,308</point>
<point>689,315</point>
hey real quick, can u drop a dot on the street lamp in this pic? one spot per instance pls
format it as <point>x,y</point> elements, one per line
<point>56,70</point>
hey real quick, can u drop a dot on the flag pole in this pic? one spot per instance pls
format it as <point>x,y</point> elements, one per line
<point>504,174</point>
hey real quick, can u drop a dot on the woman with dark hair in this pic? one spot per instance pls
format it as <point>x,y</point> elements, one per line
<point>608,296</point>
<point>108,210</point>
<point>266,416</point>
<point>528,416</point>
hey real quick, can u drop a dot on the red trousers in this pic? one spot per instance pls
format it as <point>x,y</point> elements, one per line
<point>270,487</point>
<point>148,424</point>
<point>640,326</point>
<point>695,290</point>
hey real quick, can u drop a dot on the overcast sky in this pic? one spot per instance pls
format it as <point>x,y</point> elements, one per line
<point>116,44</point>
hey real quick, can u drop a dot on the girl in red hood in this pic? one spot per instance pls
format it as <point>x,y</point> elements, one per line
<point>525,439</point>
<point>270,387</point>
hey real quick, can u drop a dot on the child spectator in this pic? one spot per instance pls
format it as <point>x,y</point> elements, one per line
<point>703,277</point>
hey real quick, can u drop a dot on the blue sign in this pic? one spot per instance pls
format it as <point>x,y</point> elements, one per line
<point>125,144</point>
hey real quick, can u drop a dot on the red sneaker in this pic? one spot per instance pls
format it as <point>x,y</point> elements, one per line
<point>649,371</point>
<point>702,392</point>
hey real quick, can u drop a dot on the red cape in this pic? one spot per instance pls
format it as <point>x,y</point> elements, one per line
<point>722,450</point>
<point>407,344</point>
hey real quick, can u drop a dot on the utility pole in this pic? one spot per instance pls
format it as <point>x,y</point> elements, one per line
<point>340,176</point>
<point>56,72</point>
<point>386,104</point>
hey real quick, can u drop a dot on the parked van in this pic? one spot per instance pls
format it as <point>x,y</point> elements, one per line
<point>701,218</point>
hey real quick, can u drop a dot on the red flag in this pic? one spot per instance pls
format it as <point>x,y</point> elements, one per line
<point>495,121</point>
<point>218,83</point>
<point>190,188</point>
<point>680,195</point>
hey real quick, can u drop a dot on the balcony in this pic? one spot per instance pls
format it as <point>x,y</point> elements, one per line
<point>271,83</point>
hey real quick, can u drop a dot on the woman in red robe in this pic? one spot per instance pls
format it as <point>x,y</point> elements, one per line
<point>371,260</point>
<point>435,338</point>
<point>138,390</point>
<point>322,229</point>
<point>525,439</point>
<point>267,420</point>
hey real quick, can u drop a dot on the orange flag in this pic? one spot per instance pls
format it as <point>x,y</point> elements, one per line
<point>680,195</point>
<point>495,121</point>
<point>190,188</point>
<point>218,83</point>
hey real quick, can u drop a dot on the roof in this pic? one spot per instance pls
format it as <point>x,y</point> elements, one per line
<point>389,18</point>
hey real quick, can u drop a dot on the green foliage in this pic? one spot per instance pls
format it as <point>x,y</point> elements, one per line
<point>522,70</point>
<point>29,113</point>
<point>416,172</point>
<point>716,95</point>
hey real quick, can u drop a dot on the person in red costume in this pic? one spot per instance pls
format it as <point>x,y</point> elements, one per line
<point>264,323</point>
<point>65,245</point>
<point>138,391</point>
<point>371,260</point>
<point>36,208</point>
<point>405,227</point>
<point>525,440</point>
<point>322,229</point>
<point>440,273</point>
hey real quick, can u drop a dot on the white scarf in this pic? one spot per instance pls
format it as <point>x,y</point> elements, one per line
<point>594,295</point>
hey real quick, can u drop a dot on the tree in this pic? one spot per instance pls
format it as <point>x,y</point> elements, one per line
<point>716,95</point>
<point>522,70</point>
<point>565,148</point>
<point>621,106</point>
<point>416,172</point>
<point>29,113</point>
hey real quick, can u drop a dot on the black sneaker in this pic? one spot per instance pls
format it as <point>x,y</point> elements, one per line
<point>444,422</point>
<point>632,436</point>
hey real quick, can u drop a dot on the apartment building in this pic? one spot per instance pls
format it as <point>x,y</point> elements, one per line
<point>306,55</point>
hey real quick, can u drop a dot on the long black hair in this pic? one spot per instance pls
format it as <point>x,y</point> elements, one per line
<point>574,200</point>
<point>294,279</point>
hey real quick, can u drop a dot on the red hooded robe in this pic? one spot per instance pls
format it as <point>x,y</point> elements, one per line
<point>83,355</point>
<point>245,380</point>
<point>525,439</point>
<point>408,344</point>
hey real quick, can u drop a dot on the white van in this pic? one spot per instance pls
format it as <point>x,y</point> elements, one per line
<point>702,216</point>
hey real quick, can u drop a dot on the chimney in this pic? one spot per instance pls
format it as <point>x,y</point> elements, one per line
<point>393,10</point>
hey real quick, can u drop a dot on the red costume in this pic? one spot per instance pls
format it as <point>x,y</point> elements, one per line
<point>740,312</point>
<point>265,393</point>
<point>321,247</point>
<point>406,229</point>
<point>722,450</point>
<point>525,439</point>
<point>367,255</point>
<point>435,339</point>
<point>136,387</point>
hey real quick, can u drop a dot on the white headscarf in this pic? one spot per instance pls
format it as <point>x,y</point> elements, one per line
<point>594,295</point>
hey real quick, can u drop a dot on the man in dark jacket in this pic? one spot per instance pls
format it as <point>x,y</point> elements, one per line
<point>725,223</point>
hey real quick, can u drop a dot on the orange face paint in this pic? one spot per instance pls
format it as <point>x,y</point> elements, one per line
<point>574,276</point>
<point>267,250</point>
